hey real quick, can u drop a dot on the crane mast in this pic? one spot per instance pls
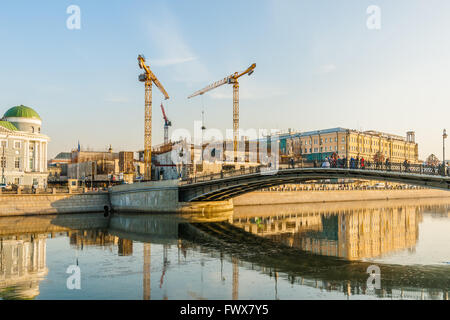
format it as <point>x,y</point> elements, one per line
<point>231,79</point>
<point>148,77</point>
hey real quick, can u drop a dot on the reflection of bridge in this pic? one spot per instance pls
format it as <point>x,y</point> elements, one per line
<point>225,186</point>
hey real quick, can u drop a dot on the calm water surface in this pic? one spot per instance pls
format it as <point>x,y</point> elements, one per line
<point>313,251</point>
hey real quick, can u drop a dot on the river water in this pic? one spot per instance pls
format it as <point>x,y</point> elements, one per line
<point>308,251</point>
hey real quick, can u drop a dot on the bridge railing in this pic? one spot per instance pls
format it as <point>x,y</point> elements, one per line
<point>367,165</point>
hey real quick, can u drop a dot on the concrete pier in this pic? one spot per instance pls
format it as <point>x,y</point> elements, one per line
<point>160,197</point>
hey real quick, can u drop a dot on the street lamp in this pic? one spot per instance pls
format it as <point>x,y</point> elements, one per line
<point>444,136</point>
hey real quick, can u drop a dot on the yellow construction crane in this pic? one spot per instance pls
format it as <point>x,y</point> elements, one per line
<point>148,77</point>
<point>231,79</point>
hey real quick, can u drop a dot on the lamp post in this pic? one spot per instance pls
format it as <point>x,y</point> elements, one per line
<point>444,136</point>
<point>3,161</point>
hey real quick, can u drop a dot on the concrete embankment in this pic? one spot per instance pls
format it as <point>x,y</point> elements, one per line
<point>286,197</point>
<point>43,204</point>
<point>162,197</point>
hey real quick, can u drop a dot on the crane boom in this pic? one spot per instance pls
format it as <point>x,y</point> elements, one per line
<point>230,79</point>
<point>210,87</point>
<point>166,120</point>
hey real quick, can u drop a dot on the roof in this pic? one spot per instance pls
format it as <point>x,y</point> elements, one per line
<point>64,155</point>
<point>22,112</point>
<point>8,125</point>
<point>311,133</point>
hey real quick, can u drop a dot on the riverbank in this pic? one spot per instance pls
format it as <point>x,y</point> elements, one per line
<point>45,204</point>
<point>296,197</point>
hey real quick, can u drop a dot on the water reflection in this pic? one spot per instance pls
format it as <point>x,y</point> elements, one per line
<point>353,235</point>
<point>324,247</point>
<point>22,266</point>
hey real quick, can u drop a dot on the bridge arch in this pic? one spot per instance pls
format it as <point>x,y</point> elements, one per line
<point>230,187</point>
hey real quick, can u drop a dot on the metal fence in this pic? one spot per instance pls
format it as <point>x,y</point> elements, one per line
<point>356,165</point>
<point>48,191</point>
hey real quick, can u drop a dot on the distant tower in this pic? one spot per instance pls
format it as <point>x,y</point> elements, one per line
<point>110,149</point>
<point>411,136</point>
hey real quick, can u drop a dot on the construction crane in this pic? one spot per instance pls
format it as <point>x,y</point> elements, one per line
<point>167,124</point>
<point>148,77</point>
<point>231,79</point>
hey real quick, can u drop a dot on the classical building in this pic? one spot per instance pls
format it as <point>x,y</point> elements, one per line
<point>23,148</point>
<point>347,143</point>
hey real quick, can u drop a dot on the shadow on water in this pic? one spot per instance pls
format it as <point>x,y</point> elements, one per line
<point>326,246</point>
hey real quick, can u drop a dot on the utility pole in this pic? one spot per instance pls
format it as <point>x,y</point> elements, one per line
<point>203,129</point>
<point>444,136</point>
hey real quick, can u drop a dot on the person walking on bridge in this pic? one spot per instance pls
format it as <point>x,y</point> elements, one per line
<point>405,163</point>
<point>362,162</point>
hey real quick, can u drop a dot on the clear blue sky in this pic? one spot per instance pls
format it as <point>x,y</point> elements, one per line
<point>318,66</point>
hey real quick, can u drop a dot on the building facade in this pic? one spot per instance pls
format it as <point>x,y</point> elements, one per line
<point>23,148</point>
<point>347,143</point>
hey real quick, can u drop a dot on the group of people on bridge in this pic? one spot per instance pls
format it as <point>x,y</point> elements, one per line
<point>334,161</point>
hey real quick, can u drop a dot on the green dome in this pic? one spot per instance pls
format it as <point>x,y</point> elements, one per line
<point>8,125</point>
<point>22,112</point>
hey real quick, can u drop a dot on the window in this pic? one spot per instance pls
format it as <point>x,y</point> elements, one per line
<point>17,144</point>
<point>4,143</point>
<point>32,129</point>
<point>16,181</point>
<point>326,140</point>
<point>17,163</point>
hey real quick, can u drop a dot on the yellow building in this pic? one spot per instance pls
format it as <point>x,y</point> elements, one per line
<point>346,143</point>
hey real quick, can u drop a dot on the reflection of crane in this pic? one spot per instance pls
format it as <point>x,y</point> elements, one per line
<point>167,124</point>
<point>148,77</point>
<point>165,264</point>
<point>231,79</point>
<point>146,271</point>
<point>235,292</point>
